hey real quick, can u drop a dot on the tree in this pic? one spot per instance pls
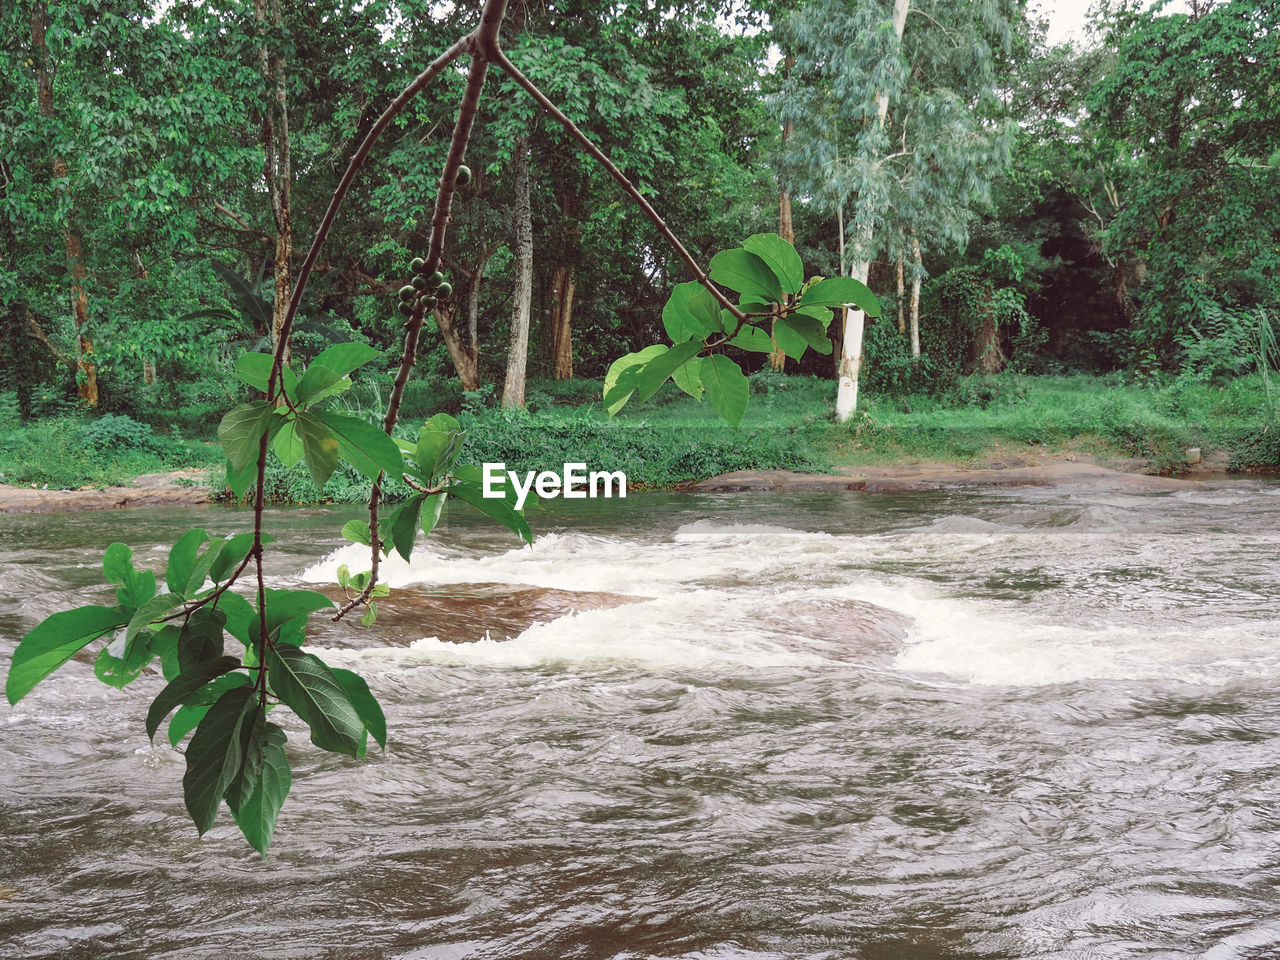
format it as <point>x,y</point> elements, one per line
<point>893,106</point>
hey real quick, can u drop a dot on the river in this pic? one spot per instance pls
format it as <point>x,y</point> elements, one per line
<point>1032,723</point>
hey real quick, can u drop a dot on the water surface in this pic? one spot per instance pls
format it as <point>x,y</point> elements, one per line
<point>1013,724</point>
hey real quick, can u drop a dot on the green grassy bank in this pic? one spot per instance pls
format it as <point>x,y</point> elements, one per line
<point>673,439</point>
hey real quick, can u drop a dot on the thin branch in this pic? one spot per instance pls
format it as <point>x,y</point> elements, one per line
<point>396,107</point>
<point>481,44</point>
<point>598,155</point>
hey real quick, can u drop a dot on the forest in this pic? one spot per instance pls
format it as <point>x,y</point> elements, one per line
<point>1074,245</point>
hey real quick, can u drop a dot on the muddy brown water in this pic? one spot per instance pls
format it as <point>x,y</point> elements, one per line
<point>1020,723</point>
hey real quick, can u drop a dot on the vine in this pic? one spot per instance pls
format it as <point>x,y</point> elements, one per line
<point>222,700</point>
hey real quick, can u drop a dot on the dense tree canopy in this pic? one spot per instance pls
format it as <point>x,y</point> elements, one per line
<point>157,162</point>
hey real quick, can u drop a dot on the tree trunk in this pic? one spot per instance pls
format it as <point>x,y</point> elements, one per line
<point>522,217</point>
<point>902,289</point>
<point>564,328</point>
<point>786,230</point>
<point>278,170</point>
<point>464,350</point>
<point>86,370</point>
<point>854,320</point>
<point>915,296</point>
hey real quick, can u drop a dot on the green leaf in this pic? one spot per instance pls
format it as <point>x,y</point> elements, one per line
<point>823,315</point>
<point>241,430</point>
<point>120,663</point>
<point>727,389</point>
<point>309,688</point>
<point>258,793</point>
<point>214,755</point>
<point>117,564</point>
<point>54,642</point>
<point>240,480</point>
<point>499,510</point>
<point>690,311</point>
<point>404,525</point>
<point>189,715</point>
<point>746,273</point>
<point>614,401</point>
<point>789,341</point>
<point>657,371</point>
<point>183,687</point>
<point>342,358</point>
<point>754,339</point>
<point>439,443</point>
<point>365,703</point>
<point>287,445</point>
<point>363,445</point>
<point>688,379</point>
<point>780,257</point>
<point>357,531</point>
<point>149,611</point>
<point>201,639</point>
<point>810,330</point>
<point>233,554</point>
<point>319,446</point>
<point>240,614</point>
<point>255,369</point>
<point>430,515</point>
<point>837,291</point>
<point>285,605</point>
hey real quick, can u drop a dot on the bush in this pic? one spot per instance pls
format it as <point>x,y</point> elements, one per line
<point>116,434</point>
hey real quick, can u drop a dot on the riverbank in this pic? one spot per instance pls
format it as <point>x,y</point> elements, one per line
<point>1034,468</point>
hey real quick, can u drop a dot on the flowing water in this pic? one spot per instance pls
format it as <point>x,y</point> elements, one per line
<point>1016,724</point>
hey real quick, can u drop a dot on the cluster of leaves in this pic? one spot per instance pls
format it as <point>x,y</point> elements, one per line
<point>222,699</point>
<point>777,309</point>
<point>235,753</point>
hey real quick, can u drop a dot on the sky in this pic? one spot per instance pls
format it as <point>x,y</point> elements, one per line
<point>1066,18</point>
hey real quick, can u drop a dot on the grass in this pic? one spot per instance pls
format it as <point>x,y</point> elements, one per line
<point>68,452</point>
<point>673,439</point>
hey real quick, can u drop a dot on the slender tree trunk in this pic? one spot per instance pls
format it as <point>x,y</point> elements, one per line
<point>915,295</point>
<point>463,345</point>
<point>564,328</point>
<point>148,362</point>
<point>86,370</point>
<point>902,289</point>
<point>278,168</point>
<point>786,230</point>
<point>522,216</point>
<point>854,320</point>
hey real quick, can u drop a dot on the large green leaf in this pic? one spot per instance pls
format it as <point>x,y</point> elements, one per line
<point>789,341</point>
<point>287,444</point>
<point>149,611</point>
<point>319,446</point>
<point>182,560</point>
<point>233,554</point>
<point>657,371</point>
<point>439,442</point>
<point>688,379</point>
<point>404,525</point>
<point>309,688</point>
<point>754,339</point>
<point>837,291</point>
<point>431,510</point>
<point>342,358</point>
<point>240,613</point>
<point>363,445</point>
<point>260,789</point>
<point>189,715</point>
<point>810,330</point>
<point>357,531</point>
<point>780,257</point>
<point>183,687</point>
<point>285,605</point>
<point>214,754</point>
<point>495,509</point>
<point>727,389</point>
<point>690,311</point>
<point>745,272</point>
<point>615,397</point>
<point>134,587</point>
<point>240,480</point>
<point>118,664</point>
<point>254,369</point>
<point>241,430</point>
<point>54,642</point>
<point>201,639</point>
<point>366,704</point>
